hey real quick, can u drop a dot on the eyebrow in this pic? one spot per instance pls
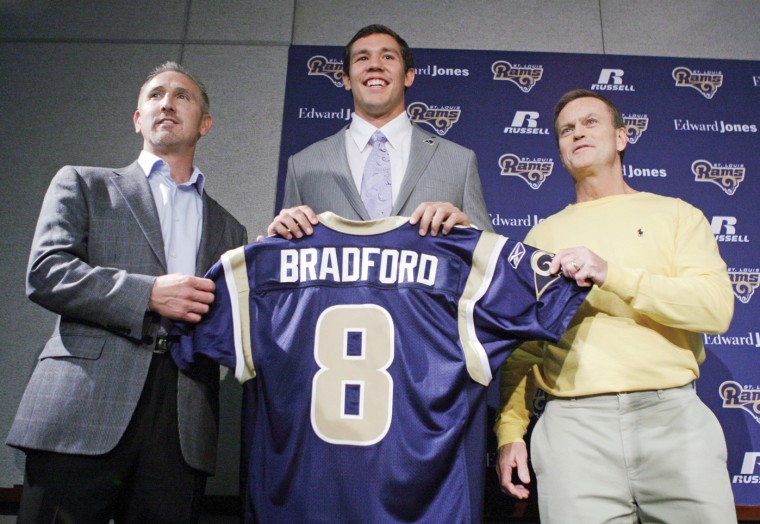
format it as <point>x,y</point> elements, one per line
<point>382,50</point>
<point>560,125</point>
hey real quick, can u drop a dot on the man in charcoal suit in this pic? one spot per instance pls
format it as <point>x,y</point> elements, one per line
<point>109,426</point>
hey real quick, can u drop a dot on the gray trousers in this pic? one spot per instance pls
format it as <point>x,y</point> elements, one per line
<point>651,456</point>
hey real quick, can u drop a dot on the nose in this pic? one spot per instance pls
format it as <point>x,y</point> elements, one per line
<point>579,131</point>
<point>375,62</point>
<point>167,103</point>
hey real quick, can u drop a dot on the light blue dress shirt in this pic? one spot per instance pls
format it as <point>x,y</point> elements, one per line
<point>180,211</point>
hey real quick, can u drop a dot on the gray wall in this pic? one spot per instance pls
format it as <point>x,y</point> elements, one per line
<point>71,69</point>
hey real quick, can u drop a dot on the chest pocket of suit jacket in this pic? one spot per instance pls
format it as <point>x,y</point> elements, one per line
<point>74,346</point>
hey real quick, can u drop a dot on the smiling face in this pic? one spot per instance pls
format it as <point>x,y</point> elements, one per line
<point>169,114</point>
<point>377,78</point>
<point>588,139</point>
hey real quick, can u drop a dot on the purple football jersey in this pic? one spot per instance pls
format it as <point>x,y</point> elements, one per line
<point>370,349</point>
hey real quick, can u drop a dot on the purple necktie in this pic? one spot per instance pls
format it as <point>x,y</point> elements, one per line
<point>376,179</point>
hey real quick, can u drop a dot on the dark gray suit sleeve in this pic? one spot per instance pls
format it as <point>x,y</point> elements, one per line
<point>60,275</point>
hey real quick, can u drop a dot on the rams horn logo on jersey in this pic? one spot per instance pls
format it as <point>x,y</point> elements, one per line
<point>440,120</point>
<point>534,173</point>
<point>727,178</point>
<point>523,77</point>
<point>539,262</point>
<point>734,395</point>
<point>322,66</point>
<point>635,127</point>
<point>706,83</point>
<point>744,283</point>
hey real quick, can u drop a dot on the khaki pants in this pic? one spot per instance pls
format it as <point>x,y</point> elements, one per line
<point>651,456</point>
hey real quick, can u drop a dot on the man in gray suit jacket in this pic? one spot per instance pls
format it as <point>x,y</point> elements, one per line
<point>434,181</point>
<point>109,426</point>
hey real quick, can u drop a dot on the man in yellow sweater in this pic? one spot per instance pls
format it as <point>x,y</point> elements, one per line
<point>624,437</point>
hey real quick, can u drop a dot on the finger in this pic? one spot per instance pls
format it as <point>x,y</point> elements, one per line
<point>451,222</point>
<point>309,214</point>
<point>203,284</point>
<point>418,212</point>
<point>523,473</point>
<point>436,221</point>
<point>425,220</point>
<point>278,228</point>
<point>517,491</point>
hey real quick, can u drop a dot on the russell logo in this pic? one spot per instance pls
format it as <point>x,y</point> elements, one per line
<point>749,467</point>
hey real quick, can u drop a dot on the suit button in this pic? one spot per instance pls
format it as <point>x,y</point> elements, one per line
<point>147,340</point>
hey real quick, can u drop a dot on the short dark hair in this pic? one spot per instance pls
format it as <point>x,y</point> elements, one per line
<point>575,94</point>
<point>406,53</point>
<point>177,68</point>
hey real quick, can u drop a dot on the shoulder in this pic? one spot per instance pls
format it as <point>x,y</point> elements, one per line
<point>442,144</point>
<point>673,205</point>
<point>90,176</point>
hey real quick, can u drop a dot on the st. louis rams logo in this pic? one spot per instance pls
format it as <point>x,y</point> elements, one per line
<point>440,120</point>
<point>539,262</point>
<point>734,395</point>
<point>523,77</point>
<point>705,83</point>
<point>534,173</point>
<point>635,126</point>
<point>726,178</point>
<point>331,69</point>
<point>744,283</point>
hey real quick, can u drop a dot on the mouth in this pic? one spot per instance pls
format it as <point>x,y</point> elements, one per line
<point>375,82</point>
<point>581,147</point>
<point>166,121</point>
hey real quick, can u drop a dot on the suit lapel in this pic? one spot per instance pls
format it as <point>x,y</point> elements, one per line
<point>133,185</point>
<point>335,150</point>
<point>422,150</point>
<point>211,235</point>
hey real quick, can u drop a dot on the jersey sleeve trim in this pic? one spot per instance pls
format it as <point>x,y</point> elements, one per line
<point>236,278</point>
<point>484,259</point>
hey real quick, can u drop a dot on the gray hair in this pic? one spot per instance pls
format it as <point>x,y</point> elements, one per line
<point>177,68</point>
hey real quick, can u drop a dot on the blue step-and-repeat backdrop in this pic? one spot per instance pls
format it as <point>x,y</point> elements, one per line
<point>693,133</point>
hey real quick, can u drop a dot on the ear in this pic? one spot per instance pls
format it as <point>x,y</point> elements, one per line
<point>136,120</point>
<point>621,138</point>
<point>409,77</point>
<point>206,122</point>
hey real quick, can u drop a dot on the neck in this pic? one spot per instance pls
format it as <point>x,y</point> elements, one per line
<point>379,121</point>
<point>595,185</point>
<point>180,163</point>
